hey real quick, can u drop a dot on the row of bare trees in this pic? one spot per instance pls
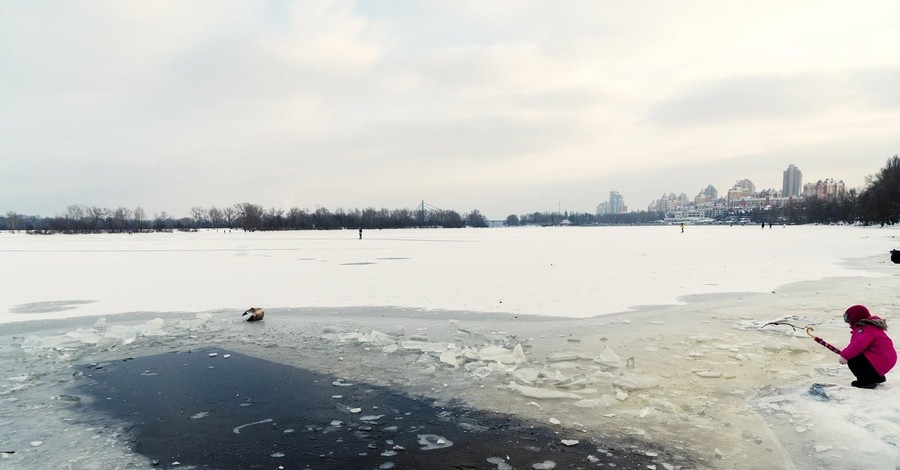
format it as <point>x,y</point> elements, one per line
<point>246,216</point>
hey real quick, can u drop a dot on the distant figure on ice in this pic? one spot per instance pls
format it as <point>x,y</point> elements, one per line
<point>360,233</point>
<point>256,314</point>
<point>682,228</point>
<point>870,354</point>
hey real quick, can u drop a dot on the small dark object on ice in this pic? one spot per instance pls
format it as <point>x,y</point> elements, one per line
<point>256,314</point>
<point>895,256</point>
<point>820,391</point>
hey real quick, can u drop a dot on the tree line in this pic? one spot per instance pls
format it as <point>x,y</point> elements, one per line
<point>877,203</point>
<point>245,216</point>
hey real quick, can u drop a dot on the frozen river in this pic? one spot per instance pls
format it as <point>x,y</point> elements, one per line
<point>552,326</point>
<point>560,272</point>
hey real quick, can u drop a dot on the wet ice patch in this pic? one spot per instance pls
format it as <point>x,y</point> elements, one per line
<point>49,306</point>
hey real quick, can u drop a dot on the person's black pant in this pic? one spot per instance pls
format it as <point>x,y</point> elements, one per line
<point>863,370</point>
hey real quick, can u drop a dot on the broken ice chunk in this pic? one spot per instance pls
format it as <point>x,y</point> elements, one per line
<point>636,382</point>
<point>534,392</point>
<point>482,372</point>
<point>608,358</point>
<point>562,356</point>
<point>503,355</point>
<point>424,346</point>
<point>500,463</point>
<point>377,338</point>
<point>452,358</point>
<point>708,374</point>
<point>545,465</point>
<point>605,400</point>
<point>527,375</point>
<point>433,441</point>
<point>577,381</point>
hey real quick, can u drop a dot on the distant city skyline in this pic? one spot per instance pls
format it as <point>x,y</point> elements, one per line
<point>502,107</point>
<point>793,184</point>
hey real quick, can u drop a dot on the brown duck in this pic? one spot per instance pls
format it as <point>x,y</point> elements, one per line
<point>256,314</point>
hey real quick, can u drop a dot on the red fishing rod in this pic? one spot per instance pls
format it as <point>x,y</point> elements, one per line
<point>808,329</point>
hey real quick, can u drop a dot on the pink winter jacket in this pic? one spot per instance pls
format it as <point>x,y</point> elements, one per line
<point>875,344</point>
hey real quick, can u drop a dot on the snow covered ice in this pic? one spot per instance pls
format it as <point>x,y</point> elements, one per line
<point>667,348</point>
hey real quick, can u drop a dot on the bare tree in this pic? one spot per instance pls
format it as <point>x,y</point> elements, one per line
<point>75,214</point>
<point>199,215</point>
<point>215,217</point>
<point>274,219</point>
<point>139,218</point>
<point>11,220</point>
<point>297,219</point>
<point>228,214</point>
<point>120,218</point>
<point>160,221</point>
<point>250,215</point>
<point>95,215</point>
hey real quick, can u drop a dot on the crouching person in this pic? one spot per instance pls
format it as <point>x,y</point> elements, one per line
<point>870,354</point>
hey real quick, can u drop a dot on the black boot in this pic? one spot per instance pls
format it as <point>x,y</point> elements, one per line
<point>857,384</point>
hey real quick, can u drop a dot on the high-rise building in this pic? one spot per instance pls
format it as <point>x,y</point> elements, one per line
<point>616,203</point>
<point>793,182</point>
<point>827,189</point>
<point>748,185</point>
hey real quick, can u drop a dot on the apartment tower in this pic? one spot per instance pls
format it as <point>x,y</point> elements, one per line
<point>793,179</point>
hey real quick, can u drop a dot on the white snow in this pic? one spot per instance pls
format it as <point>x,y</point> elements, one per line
<point>655,333</point>
<point>572,272</point>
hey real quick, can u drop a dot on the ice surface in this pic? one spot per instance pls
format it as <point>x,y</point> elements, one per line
<point>543,279</point>
<point>760,413</point>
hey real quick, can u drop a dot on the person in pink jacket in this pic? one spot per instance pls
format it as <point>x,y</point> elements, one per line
<point>870,354</point>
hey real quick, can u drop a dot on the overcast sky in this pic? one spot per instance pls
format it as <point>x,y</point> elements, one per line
<point>503,106</point>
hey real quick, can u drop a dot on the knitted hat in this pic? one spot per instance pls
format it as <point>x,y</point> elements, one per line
<point>855,314</point>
